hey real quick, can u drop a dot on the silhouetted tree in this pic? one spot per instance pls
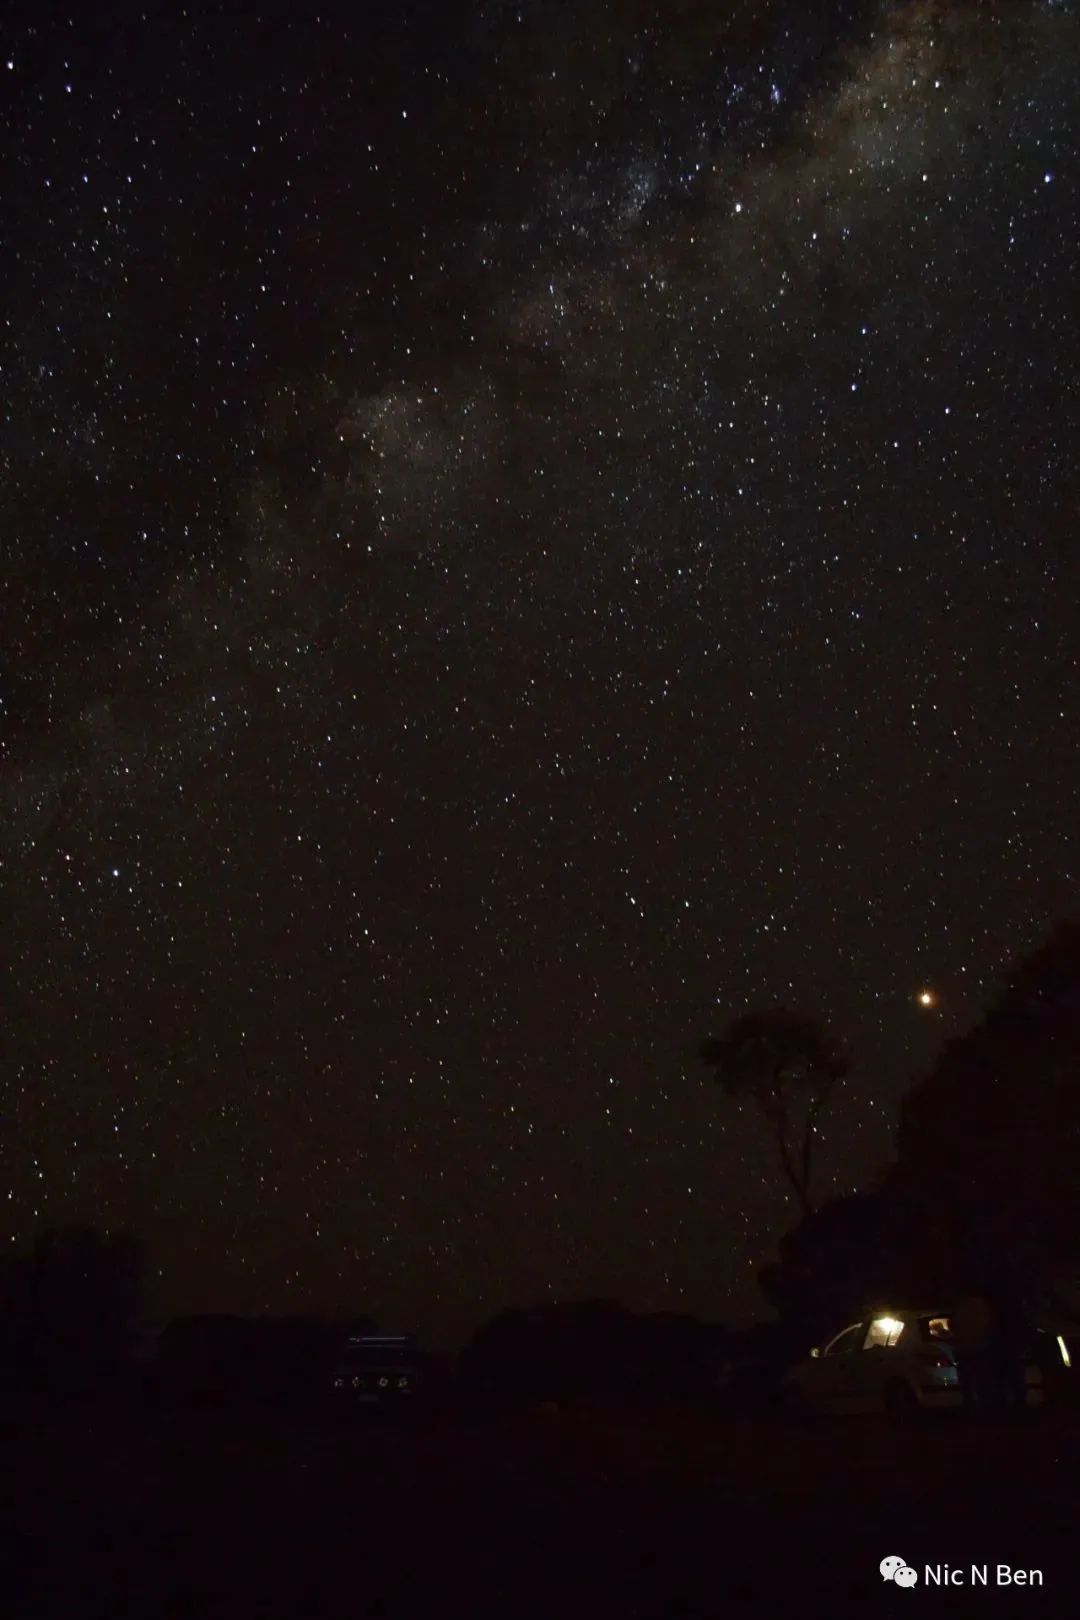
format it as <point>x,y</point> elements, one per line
<point>989,1141</point>
<point>986,1188</point>
<point>552,1352</point>
<point>864,1250</point>
<point>673,1355</point>
<point>72,1305</point>
<point>787,1065</point>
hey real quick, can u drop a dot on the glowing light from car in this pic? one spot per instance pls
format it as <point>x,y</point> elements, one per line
<point>1063,1347</point>
<point>887,1329</point>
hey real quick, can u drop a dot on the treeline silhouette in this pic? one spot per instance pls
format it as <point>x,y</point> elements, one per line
<point>591,1349</point>
<point>72,1326</point>
<point>983,1194</point>
<point>984,1191</point>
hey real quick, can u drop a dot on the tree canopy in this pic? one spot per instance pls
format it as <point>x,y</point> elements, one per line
<point>787,1065</point>
<point>989,1140</point>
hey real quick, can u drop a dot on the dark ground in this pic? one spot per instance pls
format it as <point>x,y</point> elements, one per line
<point>146,1512</point>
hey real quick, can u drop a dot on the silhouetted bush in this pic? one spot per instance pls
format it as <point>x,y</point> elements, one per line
<point>589,1349</point>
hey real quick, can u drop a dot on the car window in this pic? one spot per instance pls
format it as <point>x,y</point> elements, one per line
<point>884,1330</point>
<point>848,1340</point>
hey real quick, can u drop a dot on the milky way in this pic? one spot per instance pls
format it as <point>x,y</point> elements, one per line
<point>528,533</point>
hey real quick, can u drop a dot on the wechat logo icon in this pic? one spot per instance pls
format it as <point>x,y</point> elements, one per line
<point>895,1570</point>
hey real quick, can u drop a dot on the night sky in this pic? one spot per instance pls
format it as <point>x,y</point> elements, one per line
<point>528,531</point>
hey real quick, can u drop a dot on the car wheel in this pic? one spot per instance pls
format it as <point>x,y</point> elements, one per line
<point>901,1404</point>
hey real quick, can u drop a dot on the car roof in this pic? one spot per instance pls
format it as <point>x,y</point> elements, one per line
<point>908,1314</point>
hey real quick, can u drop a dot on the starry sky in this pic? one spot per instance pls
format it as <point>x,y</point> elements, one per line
<point>529,529</point>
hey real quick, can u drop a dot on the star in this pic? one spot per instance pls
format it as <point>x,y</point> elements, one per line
<point>549,547</point>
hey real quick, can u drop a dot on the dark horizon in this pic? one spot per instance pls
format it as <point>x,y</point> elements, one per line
<point>531,534</point>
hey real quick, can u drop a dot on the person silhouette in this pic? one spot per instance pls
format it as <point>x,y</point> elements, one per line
<point>973,1334</point>
<point>1012,1345</point>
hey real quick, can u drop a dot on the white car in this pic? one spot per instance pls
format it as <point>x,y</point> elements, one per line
<point>900,1363</point>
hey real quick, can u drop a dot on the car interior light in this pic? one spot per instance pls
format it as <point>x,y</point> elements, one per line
<point>884,1331</point>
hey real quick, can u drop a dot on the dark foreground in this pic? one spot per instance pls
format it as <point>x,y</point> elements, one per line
<point>645,1512</point>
